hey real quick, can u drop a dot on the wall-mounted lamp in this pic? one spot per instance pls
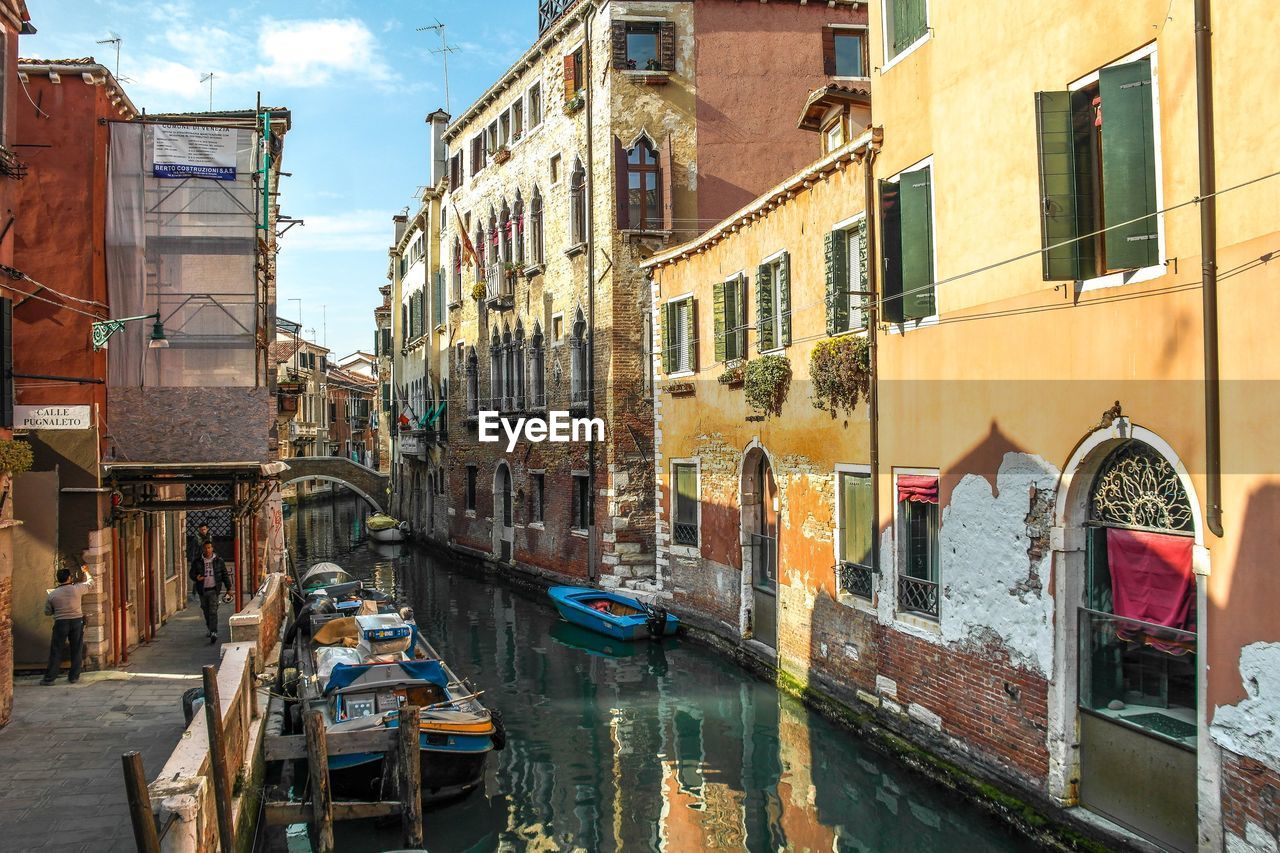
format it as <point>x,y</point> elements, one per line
<point>104,329</point>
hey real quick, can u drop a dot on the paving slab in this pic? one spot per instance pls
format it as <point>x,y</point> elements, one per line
<point>63,785</point>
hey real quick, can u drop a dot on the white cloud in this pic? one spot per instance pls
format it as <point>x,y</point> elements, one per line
<point>311,53</point>
<point>353,231</point>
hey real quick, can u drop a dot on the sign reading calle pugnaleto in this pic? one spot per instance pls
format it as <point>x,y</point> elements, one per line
<point>186,151</point>
<point>51,417</point>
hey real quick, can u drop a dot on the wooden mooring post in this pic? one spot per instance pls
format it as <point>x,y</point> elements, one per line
<point>218,759</point>
<point>409,773</point>
<point>144,821</point>
<point>318,766</point>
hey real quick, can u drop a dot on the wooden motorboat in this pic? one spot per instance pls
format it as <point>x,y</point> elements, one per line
<point>613,614</point>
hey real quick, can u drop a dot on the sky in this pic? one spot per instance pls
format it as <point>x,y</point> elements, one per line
<point>359,80</point>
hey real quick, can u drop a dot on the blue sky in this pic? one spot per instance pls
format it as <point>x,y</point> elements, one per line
<point>359,81</point>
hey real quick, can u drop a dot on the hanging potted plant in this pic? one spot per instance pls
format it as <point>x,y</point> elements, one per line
<point>766,381</point>
<point>502,155</point>
<point>841,371</point>
<point>734,374</point>
<point>478,291</point>
<point>577,102</point>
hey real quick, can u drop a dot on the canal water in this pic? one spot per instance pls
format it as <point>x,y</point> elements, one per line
<point>632,747</point>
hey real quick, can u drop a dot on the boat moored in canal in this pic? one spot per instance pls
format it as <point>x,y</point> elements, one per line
<point>613,614</point>
<point>384,528</point>
<point>358,660</point>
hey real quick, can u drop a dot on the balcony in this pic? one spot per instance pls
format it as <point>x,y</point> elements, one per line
<point>856,579</point>
<point>918,595</point>
<point>500,286</point>
<point>549,11</point>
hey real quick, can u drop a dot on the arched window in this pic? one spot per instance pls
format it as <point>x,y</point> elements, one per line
<point>473,382</point>
<point>505,254</point>
<point>508,372</point>
<point>517,219</point>
<point>537,369</point>
<point>578,378</point>
<point>495,368</point>
<point>644,198</point>
<point>457,270</point>
<point>578,203</point>
<point>479,247</point>
<point>536,248</point>
<point>517,368</point>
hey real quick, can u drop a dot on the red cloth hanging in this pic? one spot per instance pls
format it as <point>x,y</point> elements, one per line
<point>918,487</point>
<point>1151,577</point>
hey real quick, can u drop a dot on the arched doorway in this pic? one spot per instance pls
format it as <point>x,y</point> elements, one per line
<point>759,503</point>
<point>504,530</point>
<point>1131,602</point>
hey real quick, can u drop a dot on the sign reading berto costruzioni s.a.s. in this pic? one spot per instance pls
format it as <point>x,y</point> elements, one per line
<point>189,151</point>
<point>557,426</point>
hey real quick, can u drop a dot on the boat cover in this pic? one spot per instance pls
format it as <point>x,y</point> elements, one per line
<point>381,522</point>
<point>432,671</point>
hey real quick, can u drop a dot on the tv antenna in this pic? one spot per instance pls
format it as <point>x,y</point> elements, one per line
<point>443,51</point>
<point>115,40</point>
<point>208,78</point>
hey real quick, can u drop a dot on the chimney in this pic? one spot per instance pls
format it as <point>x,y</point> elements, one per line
<point>438,121</point>
<point>402,221</point>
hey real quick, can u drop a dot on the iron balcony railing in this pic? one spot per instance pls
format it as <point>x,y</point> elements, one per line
<point>856,579</point>
<point>549,11</point>
<point>578,398</point>
<point>684,534</point>
<point>499,285</point>
<point>917,595</point>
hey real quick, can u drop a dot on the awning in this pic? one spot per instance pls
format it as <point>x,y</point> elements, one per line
<point>918,487</point>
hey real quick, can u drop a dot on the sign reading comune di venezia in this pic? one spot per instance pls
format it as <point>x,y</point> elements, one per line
<point>189,151</point>
<point>51,417</point>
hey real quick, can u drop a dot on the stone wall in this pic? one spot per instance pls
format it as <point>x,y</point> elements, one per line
<point>1250,804</point>
<point>229,424</point>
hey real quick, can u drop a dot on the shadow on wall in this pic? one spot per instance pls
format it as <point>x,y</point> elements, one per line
<point>1255,591</point>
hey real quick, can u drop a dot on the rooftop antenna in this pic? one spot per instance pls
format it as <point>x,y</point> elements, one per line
<point>444,50</point>
<point>208,78</point>
<point>115,39</point>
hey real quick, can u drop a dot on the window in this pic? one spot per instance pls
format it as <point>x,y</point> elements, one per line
<point>517,120</point>
<point>855,533</point>
<point>535,105</point>
<point>517,225</point>
<point>644,45</point>
<point>473,382</point>
<point>581,502</point>
<point>918,541</point>
<point>495,370</point>
<point>844,52</point>
<point>557,327</point>
<point>578,204</point>
<point>679,344</point>
<point>455,170</point>
<point>573,74</point>
<point>456,294</point>
<point>773,303</point>
<point>516,369</point>
<point>471,488</point>
<point>491,140</point>
<point>833,136</point>
<point>1097,148</point>
<point>555,169</point>
<point>906,214</point>
<point>536,247</point>
<point>905,23</point>
<point>684,503</point>
<point>846,265</point>
<point>537,496</point>
<point>537,369</point>
<point>644,198</point>
<point>578,367</point>
<point>478,153</point>
<point>731,319</point>
<point>504,130</point>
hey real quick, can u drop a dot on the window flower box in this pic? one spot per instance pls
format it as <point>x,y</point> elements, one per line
<point>574,104</point>
<point>502,155</point>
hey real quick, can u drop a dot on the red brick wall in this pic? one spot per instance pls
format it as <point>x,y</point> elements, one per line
<point>1250,794</point>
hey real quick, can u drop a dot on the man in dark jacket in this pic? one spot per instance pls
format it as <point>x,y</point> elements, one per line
<point>207,574</point>
<point>195,546</point>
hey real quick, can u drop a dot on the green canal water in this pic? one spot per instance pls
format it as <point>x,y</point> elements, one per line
<point>632,747</point>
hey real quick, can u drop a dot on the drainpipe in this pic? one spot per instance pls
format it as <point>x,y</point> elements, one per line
<point>592,572</point>
<point>873,319</point>
<point>1209,262</point>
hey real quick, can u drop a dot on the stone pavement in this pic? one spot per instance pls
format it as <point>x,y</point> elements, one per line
<point>61,786</point>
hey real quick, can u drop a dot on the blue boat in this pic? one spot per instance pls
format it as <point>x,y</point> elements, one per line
<point>612,613</point>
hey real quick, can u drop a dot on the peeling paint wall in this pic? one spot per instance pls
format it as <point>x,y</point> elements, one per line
<point>1252,726</point>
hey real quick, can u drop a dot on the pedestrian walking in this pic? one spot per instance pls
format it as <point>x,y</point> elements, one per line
<point>195,547</point>
<point>208,573</point>
<point>64,605</point>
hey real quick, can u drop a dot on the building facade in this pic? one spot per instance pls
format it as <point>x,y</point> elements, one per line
<point>1036,545</point>
<point>350,398</point>
<point>302,368</point>
<point>616,134</point>
<point>386,420</point>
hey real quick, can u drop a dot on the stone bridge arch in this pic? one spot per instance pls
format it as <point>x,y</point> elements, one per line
<point>371,485</point>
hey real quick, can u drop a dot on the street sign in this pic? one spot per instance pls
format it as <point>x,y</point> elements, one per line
<point>52,417</point>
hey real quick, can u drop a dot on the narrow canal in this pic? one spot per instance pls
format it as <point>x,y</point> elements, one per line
<point>632,747</point>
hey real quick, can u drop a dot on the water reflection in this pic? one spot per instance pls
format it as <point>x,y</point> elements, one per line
<point>648,746</point>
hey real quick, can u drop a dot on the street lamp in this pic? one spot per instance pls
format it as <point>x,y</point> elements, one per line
<point>104,329</point>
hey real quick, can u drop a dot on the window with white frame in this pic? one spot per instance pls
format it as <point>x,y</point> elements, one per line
<point>917,536</point>
<point>684,503</point>
<point>846,277</point>
<point>678,337</point>
<point>906,22</point>
<point>534,101</point>
<point>855,533</point>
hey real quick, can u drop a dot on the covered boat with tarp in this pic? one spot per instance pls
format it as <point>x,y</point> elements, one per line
<point>384,528</point>
<point>358,660</point>
<point>612,613</point>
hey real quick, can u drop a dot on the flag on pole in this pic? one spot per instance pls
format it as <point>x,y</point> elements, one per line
<point>468,249</point>
<point>403,419</point>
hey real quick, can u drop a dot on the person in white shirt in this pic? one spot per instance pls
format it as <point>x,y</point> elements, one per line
<point>64,605</point>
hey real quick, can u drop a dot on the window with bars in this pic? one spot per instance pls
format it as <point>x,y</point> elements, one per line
<point>679,344</point>
<point>684,503</point>
<point>856,533</point>
<point>581,502</point>
<point>918,544</point>
<point>1097,151</point>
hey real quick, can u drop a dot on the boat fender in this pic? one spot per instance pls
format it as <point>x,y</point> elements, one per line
<point>499,735</point>
<point>192,702</point>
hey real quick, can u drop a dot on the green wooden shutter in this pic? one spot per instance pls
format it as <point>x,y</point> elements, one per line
<point>909,23</point>
<point>917,245</point>
<point>733,327</point>
<point>863,288</point>
<point>764,308</point>
<point>740,317</point>
<point>439,298</point>
<point>837,257</point>
<point>668,338</point>
<point>1059,220</point>
<point>891,254</point>
<point>1128,165</point>
<point>784,298</point>
<point>691,333</point>
<point>718,298</point>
